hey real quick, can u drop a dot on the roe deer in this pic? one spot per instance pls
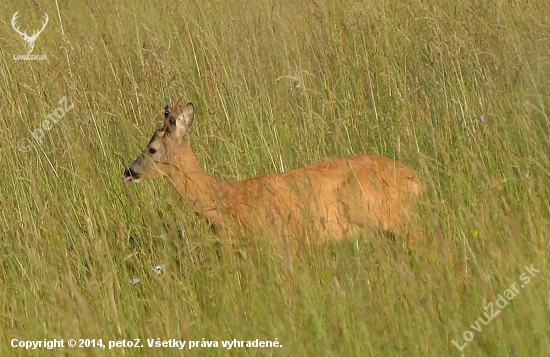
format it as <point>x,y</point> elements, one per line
<point>325,201</point>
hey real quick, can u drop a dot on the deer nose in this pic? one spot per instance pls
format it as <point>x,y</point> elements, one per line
<point>130,174</point>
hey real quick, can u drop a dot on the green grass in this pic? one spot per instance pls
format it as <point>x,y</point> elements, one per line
<point>276,85</point>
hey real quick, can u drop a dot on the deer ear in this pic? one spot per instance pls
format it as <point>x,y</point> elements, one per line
<point>186,117</point>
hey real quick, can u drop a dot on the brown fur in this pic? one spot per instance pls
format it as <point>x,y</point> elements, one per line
<point>325,201</point>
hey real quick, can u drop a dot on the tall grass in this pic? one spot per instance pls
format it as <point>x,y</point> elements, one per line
<point>458,91</point>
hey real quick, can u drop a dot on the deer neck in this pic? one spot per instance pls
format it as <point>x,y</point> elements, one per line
<point>192,182</point>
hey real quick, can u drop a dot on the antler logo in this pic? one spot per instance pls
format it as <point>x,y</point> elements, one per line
<point>29,40</point>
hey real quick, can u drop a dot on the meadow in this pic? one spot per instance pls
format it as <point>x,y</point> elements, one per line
<point>459,91</point>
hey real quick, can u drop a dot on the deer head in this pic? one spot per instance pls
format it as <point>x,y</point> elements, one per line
<point>29,40</point>
<point>166,146</point>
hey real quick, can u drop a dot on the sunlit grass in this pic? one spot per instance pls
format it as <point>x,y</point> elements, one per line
<point>457,91</point>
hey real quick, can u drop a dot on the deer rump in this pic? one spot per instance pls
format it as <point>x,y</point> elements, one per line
<point>324,201</point>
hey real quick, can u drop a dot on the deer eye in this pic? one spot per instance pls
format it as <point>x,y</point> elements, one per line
<point>152,151</point>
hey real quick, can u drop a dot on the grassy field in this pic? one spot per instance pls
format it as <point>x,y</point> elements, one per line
<point>458,91</point>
